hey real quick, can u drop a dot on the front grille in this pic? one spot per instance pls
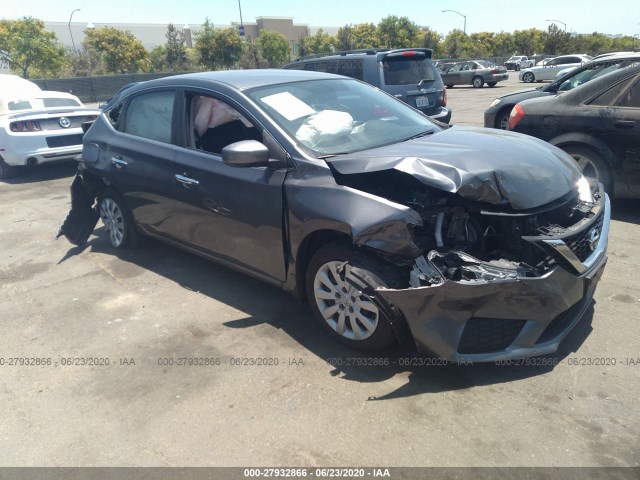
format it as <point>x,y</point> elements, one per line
<point>64,140</point>
<point>486,335</point>
<point>579,243</point>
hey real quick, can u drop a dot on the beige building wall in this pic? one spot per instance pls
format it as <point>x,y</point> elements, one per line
<point>153,34</point>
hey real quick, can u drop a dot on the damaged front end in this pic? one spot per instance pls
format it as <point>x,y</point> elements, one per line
<point>493,282</point>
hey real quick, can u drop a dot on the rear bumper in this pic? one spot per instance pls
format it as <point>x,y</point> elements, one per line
<point>481,321</point>
<point>444,116</point>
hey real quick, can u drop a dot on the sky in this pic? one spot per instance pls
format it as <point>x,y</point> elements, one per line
<point>586,16</point>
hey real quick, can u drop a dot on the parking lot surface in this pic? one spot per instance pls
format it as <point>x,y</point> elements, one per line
<point>155,357</point>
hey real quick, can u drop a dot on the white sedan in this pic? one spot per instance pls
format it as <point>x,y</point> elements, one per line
<point>38,126</point>
<point>551,68</point>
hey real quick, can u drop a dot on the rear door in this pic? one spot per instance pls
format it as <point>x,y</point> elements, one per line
<point>138,155</point>
<point>627,134</point>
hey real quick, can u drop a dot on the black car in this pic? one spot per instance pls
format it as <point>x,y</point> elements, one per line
<point>407,73</point>
<point>391,226</point>
<point>597,123</point>
<point>497,115</point>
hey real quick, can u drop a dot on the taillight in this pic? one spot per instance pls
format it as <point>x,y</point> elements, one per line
<point>495,70</point>
<point>517,114</point>
<point>409,53</point>
<point>444,96</point>
<point>26,126</point>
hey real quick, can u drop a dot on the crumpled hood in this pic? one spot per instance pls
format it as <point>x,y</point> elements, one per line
<point>483,165</point>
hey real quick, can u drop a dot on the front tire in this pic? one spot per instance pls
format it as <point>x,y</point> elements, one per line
<point>477,82</point>
<point>593,166</point>
<point>528,77</point>
<point>117,220</point>
<point>502,118</point>
<point>336,280</point>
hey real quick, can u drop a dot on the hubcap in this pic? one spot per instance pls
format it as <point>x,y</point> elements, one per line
<point>588,169</point>
<point>347,310</point>
<point>113,221</point>
<point>504,122</point>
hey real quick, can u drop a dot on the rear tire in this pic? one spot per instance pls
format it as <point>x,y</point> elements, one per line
<point>477,82</point>
<point>449,86</point>
<point>117,220</point>
<point>492,84</point>
<point>7,171</point>
<point>592,165</point>
<point>344,310</point>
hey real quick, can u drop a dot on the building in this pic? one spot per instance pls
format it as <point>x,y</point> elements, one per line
<point>153,34</point>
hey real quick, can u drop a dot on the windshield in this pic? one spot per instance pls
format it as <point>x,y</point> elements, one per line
<point>330,117</point>
<point>409,70</point>
<point>592,71</point>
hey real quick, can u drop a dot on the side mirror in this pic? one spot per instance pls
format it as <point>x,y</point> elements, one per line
<point>246,153</point>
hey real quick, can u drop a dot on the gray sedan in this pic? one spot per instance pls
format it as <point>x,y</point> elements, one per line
<point>474,72</point>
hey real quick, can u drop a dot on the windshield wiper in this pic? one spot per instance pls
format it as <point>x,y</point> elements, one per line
<point>331,155</point>
<point>419,135</point>
<point>425,80</point>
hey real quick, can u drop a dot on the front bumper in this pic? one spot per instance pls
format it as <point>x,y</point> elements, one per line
<point>482,321</point>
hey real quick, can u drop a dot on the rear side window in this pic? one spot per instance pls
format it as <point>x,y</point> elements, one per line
<point>631,97</point>
<point>407,70</point>
<point>150,116</point>
<point>60,102</point>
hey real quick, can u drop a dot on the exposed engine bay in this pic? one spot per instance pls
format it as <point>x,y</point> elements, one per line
<point>464,240</point>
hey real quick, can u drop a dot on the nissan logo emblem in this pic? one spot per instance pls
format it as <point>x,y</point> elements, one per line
<point>593,237</point>
<point>64,122</point>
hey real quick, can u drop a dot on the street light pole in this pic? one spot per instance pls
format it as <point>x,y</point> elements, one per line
<point>70,33</point>
<point>559,21</point>
<point>463,16</point>
<point>241,24</point>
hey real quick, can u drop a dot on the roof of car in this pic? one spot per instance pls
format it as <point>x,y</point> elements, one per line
<point>238,79</point>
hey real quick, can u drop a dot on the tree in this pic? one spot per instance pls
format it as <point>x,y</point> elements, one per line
<point>321,42</point>
<point>345,38</point>
<point>528,42</point>
<point>274,48</point>
<point>176,52</point>
<point>218,48</point>
<point>252,56</point>
<point>430,39</point>
<point>397,32</point>
<point>555,40</point>
<point>366,36</point>
<point>458,45</point>
<point>120,51</point>
<point>158,59</point>
<point>26,47</point>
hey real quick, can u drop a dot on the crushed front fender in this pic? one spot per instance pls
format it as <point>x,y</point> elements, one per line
<point>488,320</point>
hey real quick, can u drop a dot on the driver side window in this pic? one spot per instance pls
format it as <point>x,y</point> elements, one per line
<point>215,124</point>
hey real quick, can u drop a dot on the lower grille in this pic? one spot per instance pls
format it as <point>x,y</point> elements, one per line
<point>558,324</point>
<point>64,140</point>
<point>486,335</point>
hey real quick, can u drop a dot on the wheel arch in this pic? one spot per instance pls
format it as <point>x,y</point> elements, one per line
<point>584,140</point>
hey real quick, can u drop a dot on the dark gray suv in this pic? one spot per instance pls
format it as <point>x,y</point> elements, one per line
<point>408,74</point>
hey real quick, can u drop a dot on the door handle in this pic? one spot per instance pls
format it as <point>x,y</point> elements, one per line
<point>186,181</point>
<point>625,123</point>
<point>118,161</point>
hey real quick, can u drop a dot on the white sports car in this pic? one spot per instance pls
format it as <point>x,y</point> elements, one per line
<point>551,68</point>
<point>38,126</point>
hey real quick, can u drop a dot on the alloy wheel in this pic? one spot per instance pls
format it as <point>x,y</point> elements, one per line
<point>345,308</point>
<point>113,220</point>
